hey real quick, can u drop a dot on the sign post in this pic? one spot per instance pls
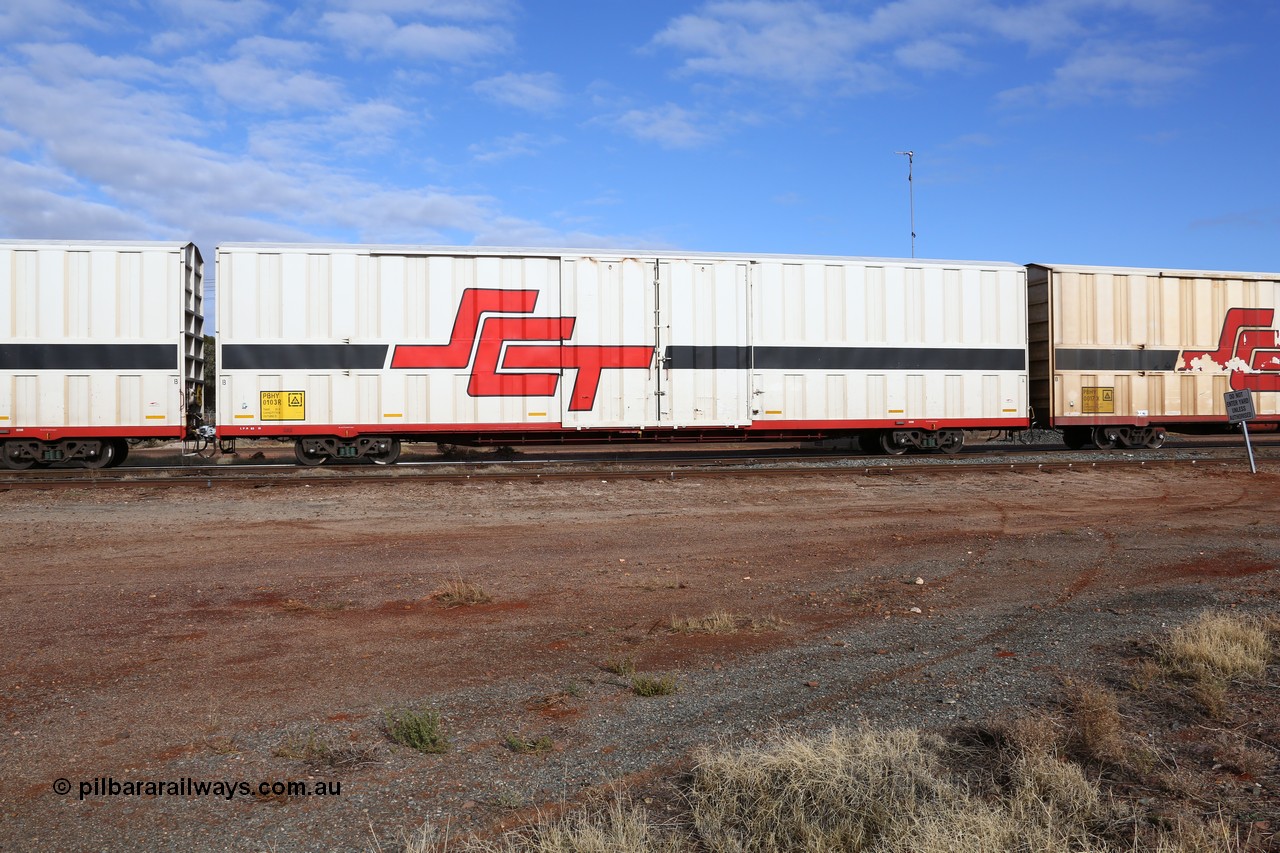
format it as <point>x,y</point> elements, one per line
<point>1240,411</point>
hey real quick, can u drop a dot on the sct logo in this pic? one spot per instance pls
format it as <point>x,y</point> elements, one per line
<point>517,355</point>
<point>1247,349</point>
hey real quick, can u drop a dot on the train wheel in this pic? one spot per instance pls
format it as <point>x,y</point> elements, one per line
<point>1156,439</point>
<point>305,458</point>
<point>105,457</point>
<point>1103,439</point>
<point>889,446</point>
<point>121,448</point>
<point>950,441</point>
<point>1075,438</point>
<point>392,454</point>
<point>14,461</point>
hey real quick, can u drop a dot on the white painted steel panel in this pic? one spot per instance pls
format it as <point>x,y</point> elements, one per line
<point>532,339</point>
<point>873,343</point>
<point>367,305</point>
<point>1133,345</point>
<point>99,335</point>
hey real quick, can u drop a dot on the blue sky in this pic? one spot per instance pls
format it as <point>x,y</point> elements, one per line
<point>1133,132</point>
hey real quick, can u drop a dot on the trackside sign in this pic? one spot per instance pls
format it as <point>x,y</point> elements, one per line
<point>1240,411</point>
<point>1239,405</point>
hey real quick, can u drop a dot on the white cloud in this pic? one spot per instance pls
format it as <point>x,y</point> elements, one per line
<point>142,172</point>
<point>70,62</point>
<point>355,131</point>
<point>380,34</point>
<point>221,16</point>
<point>195,21</point>
<point>794,43</point>
<point>457,10</point>
<point>931,55</point>
<point>533,92</point>
<point>670,126</point>
<point>40,203</point>
<point>814,46</point>
<point>515,145</point>
<point>248,84</point>
<point>284,51</point>
<point>1133,72</point>
<point>42,19</point>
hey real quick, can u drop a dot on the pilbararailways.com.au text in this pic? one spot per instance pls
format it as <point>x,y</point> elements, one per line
<point>228,789</point>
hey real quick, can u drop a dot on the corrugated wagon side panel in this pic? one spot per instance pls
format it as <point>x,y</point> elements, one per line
<point>1160,347</point>
<point>93,338</point>
<point>926,343</point>
<point>364,341</point>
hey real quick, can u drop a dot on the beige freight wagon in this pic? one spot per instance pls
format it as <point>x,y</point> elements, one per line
<point>1119,355</point>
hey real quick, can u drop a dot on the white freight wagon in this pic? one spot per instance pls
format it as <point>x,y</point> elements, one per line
<point>346,350</point>
<point>1119,355</point>
<point>100,343</point>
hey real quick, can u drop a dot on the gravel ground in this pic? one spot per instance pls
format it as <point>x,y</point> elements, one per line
<point>159,636</point>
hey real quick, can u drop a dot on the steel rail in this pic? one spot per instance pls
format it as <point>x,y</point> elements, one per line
<point>292,476</point>
<point>683,456</point>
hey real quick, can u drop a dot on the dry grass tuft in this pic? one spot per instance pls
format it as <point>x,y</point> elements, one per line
<point>870,791</point>
<point>1028,783</point>
<point>843,791</point>
<point>893,792</point>
<point>460,593</point>
<point>421,730</point>
<point>1217,647</point>
<point>1098,731</point>
<point>653,685</point>
<point>1145,674</point>
<point>1213,650</point>
<point>720,622</point>
<point>318,752</point>
<point>621,827</point>
<point>624,666</point>
<point>525,745</point>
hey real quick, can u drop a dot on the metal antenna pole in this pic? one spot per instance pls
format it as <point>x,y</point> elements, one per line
<point>911,195</point>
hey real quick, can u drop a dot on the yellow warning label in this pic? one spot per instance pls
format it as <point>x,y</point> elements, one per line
<point>1098,401</point>
<point>283,406</point>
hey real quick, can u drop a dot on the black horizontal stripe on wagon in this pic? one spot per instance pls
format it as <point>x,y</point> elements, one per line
<point>69,357</point>
<point>303,357</point>
<point>1114,360</point>
<point>373,357</point>
<point>843,358</point>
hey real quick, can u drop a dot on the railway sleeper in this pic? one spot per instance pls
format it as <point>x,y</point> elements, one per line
<point>21,454</point>
<point>316,450</point>
<point>895,442</point>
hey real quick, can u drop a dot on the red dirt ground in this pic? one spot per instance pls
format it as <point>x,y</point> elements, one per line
<point>160,635</point>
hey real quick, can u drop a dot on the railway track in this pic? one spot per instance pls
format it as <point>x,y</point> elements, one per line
<point>637,465</point>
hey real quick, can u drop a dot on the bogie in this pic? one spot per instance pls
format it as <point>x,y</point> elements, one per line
<point>896,442</point>
<point>21,455</point>
<point>316,450</point>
